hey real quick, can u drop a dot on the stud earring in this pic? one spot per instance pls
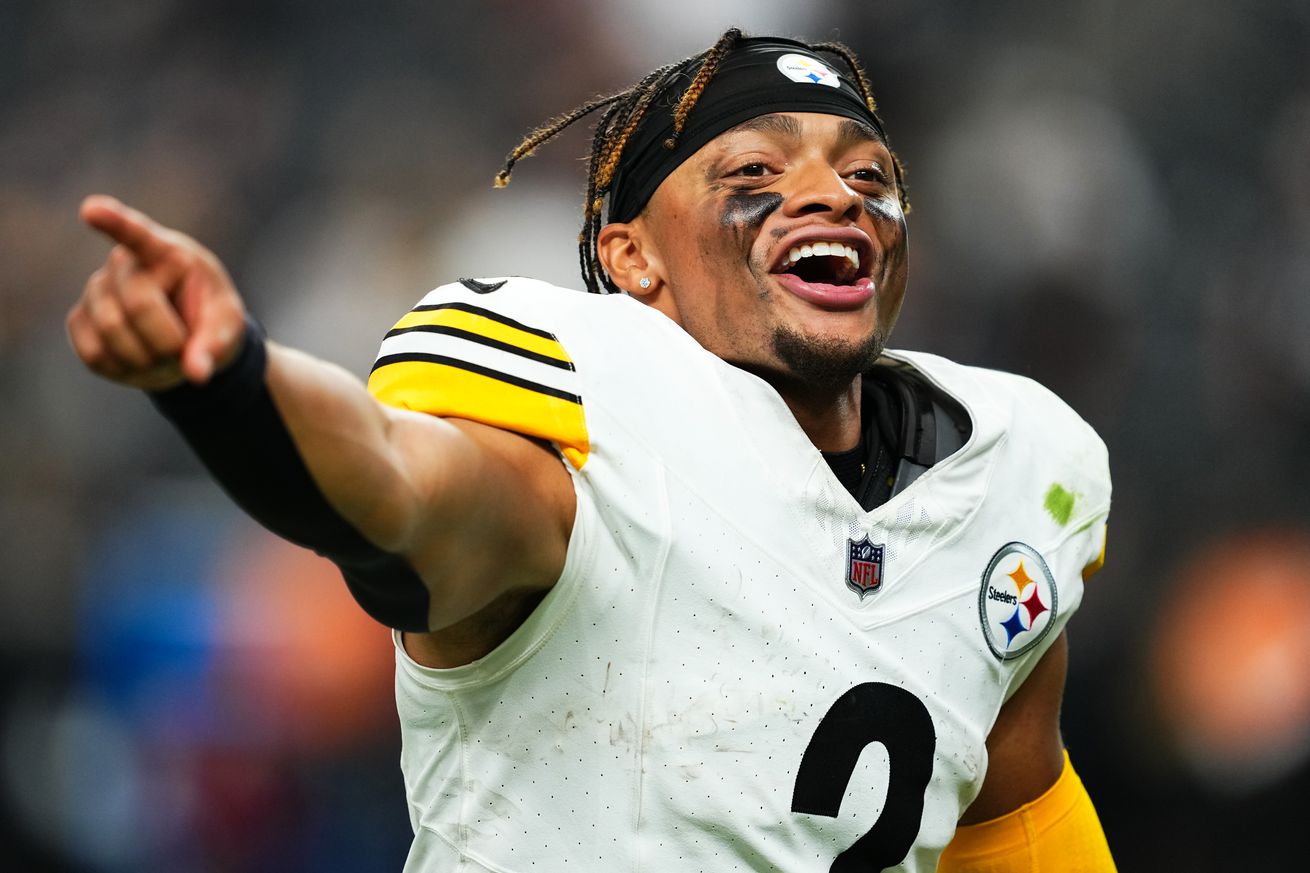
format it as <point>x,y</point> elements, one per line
<point>644,282</point>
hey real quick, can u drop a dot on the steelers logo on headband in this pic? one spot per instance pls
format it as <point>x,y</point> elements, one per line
<point>803,68</point>
<point>759,76</point>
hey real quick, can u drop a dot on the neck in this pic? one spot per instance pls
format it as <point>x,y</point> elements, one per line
<point>830,420</point>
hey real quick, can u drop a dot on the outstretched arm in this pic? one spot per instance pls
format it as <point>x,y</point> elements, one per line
<point>476,513</point>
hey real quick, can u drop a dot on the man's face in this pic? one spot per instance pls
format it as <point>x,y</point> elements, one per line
<point>740,231</point>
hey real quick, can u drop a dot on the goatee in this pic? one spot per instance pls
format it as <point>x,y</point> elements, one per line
<point>825,365</point>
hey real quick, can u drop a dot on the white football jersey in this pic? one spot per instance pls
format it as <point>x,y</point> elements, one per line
<point>740,668</point>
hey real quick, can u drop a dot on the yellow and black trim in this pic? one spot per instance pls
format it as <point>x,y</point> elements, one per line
<point>458,360</point>
<point>446,330</point>
<point>527,384</point>
<point>514,336</point>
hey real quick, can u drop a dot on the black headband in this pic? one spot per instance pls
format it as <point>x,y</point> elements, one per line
<point>758,76</point>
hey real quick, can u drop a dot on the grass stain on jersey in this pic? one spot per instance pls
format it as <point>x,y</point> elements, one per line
<point>1059,503</point>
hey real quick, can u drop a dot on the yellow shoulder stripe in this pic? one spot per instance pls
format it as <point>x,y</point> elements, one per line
<point>457,360</point>
<point>484,323</point>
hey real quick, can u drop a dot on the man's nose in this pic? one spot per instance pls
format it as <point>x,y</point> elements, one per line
<point>820,189</point>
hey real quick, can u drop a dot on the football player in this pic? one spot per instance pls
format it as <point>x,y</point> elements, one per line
<point>694,574</point>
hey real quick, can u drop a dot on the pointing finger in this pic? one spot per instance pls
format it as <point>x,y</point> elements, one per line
<point>147,240</point>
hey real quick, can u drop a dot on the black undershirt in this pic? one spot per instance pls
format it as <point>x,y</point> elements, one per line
<point>866,470</point>
<point>849,466</point>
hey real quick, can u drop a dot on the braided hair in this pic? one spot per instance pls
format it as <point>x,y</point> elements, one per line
<point>623,112</point>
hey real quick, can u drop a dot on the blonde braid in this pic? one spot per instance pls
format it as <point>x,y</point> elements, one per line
<point>548,131</point>
<point>708,68</point>
<point>646,91</point>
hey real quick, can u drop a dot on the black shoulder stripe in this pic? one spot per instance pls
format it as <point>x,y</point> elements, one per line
<point>446,330</point>
<point>481,287</point>
<point>486,313</point>
<point>481,371</point>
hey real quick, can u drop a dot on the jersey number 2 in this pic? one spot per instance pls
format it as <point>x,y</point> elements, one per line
<point>872,712</point>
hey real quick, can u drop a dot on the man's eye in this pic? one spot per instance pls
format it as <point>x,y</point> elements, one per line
<point>756,169</point>
<point>870,174</point>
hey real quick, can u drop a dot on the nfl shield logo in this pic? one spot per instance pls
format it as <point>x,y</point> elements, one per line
<point>864,567</point>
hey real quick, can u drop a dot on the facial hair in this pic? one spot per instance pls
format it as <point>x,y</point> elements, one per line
<point>825,365</point>
<point>822,366</point>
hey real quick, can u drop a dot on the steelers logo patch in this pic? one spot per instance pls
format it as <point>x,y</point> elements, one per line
<point>803,68</point>
<point>1017,603</point>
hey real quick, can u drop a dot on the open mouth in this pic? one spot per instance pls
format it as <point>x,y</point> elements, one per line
<point>828,273</point>
<point>824,263</point>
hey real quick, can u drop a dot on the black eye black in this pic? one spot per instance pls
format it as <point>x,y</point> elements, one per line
<point>752,170</point>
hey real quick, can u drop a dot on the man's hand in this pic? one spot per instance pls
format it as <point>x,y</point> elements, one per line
<point>160,311</point>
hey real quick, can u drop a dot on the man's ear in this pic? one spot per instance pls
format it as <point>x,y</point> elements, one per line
<point>629,256</point>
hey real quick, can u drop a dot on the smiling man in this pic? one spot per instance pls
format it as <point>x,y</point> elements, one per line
<point>695,576</point>
<point>780,246</point>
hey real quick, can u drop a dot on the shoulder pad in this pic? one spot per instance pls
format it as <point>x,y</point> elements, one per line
<point>474,351</point>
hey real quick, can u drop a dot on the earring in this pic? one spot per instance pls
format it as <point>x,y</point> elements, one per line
<point>645,282</point>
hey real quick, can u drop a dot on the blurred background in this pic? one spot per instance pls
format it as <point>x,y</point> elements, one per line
<point>1110,196</point>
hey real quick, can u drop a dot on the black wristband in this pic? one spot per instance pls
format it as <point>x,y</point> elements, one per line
<point>237,432</point>
<point>232,387</point>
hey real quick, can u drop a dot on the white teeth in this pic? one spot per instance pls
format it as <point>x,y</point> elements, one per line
<point>824,249</point>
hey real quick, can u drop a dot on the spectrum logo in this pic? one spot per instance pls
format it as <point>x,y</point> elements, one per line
<point>1017,602</point>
